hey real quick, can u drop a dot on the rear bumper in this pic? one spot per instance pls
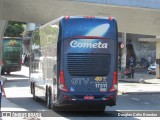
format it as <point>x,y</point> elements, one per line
<point>11,68</point>
<point>151,71</point>
<point>72,100</point>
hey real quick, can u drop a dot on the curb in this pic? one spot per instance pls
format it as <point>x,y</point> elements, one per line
<point>140,81</point>
<point>121,92</point>
<point>138,93</point>
<point>130,81</point>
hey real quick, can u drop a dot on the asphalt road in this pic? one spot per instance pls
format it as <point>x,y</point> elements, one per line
<point>18,92</point>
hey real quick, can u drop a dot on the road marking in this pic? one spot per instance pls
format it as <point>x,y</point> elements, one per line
<point>146,103</point>
<point>135,99</point>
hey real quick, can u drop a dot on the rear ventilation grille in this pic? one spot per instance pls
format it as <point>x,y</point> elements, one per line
<point>82,64</point>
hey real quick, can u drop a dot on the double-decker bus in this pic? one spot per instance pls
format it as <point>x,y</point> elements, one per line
<point>74,62</point>
<point>11,54</point>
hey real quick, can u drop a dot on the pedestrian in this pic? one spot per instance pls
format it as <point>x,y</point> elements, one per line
<point>131,61</point>
<point>132,71</point>
<point>26,60</point>
<point>1,92</point>
<point>23,57</point>
<point>143,62</point>
<point>127,72</point>
<point>149,60</point>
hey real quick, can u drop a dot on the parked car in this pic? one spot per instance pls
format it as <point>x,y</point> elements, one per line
<point>152,68</point>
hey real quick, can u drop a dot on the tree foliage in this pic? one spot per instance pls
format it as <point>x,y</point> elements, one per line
<point>14,29</point>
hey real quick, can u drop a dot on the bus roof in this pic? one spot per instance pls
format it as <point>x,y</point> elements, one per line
<point>71,17</point>
<point>96,17</point>
<point>12,38</point>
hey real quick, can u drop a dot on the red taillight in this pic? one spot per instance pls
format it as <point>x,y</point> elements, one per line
<point>67,17</point>
<point>67,97</point>
<point>89,17</point>
<point>114,83</point>
<point>2,62</point>
<point>110,18</point>
<point>108,98</point>
<point>62,84</point>
<point>21,61</point>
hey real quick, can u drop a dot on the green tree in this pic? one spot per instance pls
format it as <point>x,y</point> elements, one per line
<point>14,29</point>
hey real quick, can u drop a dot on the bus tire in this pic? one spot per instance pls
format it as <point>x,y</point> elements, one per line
<point>49,99</point>
<point>34,92</point>
<point>31,87</point>
<point>101,108</point>
<point>2,72</point>
<point>57,108</point>
<point>8,72</point>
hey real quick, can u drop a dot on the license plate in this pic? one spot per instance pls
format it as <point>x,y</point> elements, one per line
<point>88,97</point>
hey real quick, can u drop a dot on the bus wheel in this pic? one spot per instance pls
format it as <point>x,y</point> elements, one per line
<point>31,87</point>
<point>8,72</point>
<point>49,99</point>
<point>101,108</point>
<point>33,92</point>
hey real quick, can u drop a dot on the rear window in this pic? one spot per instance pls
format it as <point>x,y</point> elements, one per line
<point>89,27</point>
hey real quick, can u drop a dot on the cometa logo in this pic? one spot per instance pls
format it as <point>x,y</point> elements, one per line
<point>76,44</point>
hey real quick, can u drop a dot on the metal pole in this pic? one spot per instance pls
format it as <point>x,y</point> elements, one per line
<point>3,25</point>
<point>123,57</point>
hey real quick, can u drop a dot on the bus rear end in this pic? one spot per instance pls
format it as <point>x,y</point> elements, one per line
<point>11,54</point>
<point>88,64</point>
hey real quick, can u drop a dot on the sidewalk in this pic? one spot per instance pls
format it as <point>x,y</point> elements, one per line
<point>6,105</point>
<point>140,77</point>
<point>142,83</point>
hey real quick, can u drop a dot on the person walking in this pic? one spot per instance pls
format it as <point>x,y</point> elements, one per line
<point>1,92</point>
<point>149,60</point>
<point>132,71</point>
<point>131,61</point>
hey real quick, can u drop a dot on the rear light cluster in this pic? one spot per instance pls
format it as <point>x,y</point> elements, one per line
<point>114,86</point>
<point>67,17</point>
<point>110,18</point>
<point>21,61</point>
<point>108,98</point>
<point>2,62</point>
<point>62,84</point>
<point>68,98</point>
<point>89,17</point>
